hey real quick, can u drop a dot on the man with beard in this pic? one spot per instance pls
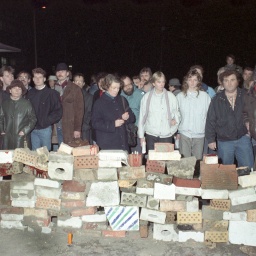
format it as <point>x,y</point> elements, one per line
<point>133,96</point>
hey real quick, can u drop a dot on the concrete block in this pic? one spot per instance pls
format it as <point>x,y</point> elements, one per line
<point>159,178</point>
<point>85,174</point>
<point>145,191</point>
<point>73,195</point>
<point>215,225</point>
<point>175,206</point>
<point>64,148</point>
<point>152,203</point>
<point>237,216</point>
<point>86,162</point>
<point>22,185</point>
<point>23,203</point>
<point>216,236</point>
<point>12,224</point>
<point>189,217</point>
<point>48,203</point>
<point>97,217</point>
<point>133,199</point>
<point>131,173</point>
<point>152,215</point>
<point>182,169</point>
<point>166,156</point>
<point>210,159</point>
<point>22,194</point>
<point>123,217</point>
<point>73,222</point>
<point>247,181</point>
<point>110,164</point>
<point>103,194</point>
<point>211,214</point>
<point>251,215</point>
<point>243,207</point>
<point>192,206</point>
<point>188,191</point>
<point>165,232</point>
<point>48,192</point>
<point>155,166</point>
<point>242,232</point>
<point>162,191</point>
<point>73,186</point>
<point>163,147</point>
<point>47,183</point>
<point>107,173</point>
<point>6,156</point>
<point>184,236</point>
<point>214,194</point>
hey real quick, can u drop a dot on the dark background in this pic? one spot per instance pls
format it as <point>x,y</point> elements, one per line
<point>125,35</point>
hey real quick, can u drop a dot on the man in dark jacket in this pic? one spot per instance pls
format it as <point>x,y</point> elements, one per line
<point>225,121</point>
<point>47,105</point>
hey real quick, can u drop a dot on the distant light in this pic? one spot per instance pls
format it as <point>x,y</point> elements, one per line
<point>43,7</point>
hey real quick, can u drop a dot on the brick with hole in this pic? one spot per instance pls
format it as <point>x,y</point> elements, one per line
<point>155,166</point>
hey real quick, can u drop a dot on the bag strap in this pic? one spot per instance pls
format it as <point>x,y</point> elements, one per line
<point>168,107</point>
<point>123,101</point>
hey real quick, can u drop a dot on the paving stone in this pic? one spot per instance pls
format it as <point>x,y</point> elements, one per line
<point>237,216</point>
<point>162,191</point>
<point>163,147</point>
<point>166,156</point>
<point>99,216</point>
<point>131,173</point>
<point>86,162</point>
<point>153,203</point>
<point>189,217</point>
<point>176,206</point>
<point>103,194</point>
<point>152,215</point>
<point>155,166</point>
<point>211,214</point>
<point>215,225</point>
<point>133,199</point>
<point>251,215</point>
<point>6,156</point>
<point>85,174</point>
<point>214,194</point>
<point>219,204</point>
<point>165,232</point>
<point>184,236</point>
<point>107,173</point>
<point>123,217</point>
<point>216,236</point>
<point>182,169</point>
<point>184,198</point>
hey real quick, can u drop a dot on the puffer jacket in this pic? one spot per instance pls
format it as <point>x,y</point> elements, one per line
<point>16,116</point>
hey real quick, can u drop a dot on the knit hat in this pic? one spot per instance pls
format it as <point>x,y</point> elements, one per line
<point>54,78</point>
<point>174,82</point>
<point>17,83</point>
<point>61,66</point>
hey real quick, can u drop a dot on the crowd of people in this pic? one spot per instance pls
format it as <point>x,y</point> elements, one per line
<point>198,118</point>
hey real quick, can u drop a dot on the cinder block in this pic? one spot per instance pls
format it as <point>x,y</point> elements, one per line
<point>73,186</point>
<point>123,217</point>
<point>211,214</point>
<point>145,191</point>
<point>12,224</point>
<point>97,217</point>
<point>73,222</point>
<point>187,235</point>
<point>47,183</point>
<point>215,225</point>
<point>218,204</point>
<point>152,215</point>
<point>214,176</point>
<point>133,199</point>
<point>188,191</point>
<point>242,232</point>
<point>182,169</point>
<point>189,217</point>
<point>163,147</point>
<point>192,206</point>
<point>153,203</point>
<point>193,183</point>
<point>110,164</point>
<point>103,194</point>
<point>165,232</point>
<point>86,162</point>
<point>6,156</point>
<point>247,181</point>
<point>216,236</point>
<point>237,216</point>
<point>48,192</point>
<point>163,191</point>
<point>166,156</point>
<point>64,148</point>
<point>176,206</point>
<point>251,215</point>
<point>243,207</point>
<point>84,211</point>
<point>73,195</point>
<point>48,203</point>
<point>155,166</point>
<point>131,173</point>
<point>214,194</point>
<point>85,174</point>
<point>22,185</point>
<point>107,173</point>
<point>171,217</point>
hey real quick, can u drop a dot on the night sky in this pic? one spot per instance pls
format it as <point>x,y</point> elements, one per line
<point>125,35</point>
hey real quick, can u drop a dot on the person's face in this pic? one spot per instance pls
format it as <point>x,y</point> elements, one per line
<point>230,61</point>
<point>7,78</point>
<point>62,75</point>
<point>159,84</point>
<point>114,89</point>
<point>144,77</point>
<point>171,88</point>
<point>52,83</point>
<point>230,83</point>
<point>38,79</point>
<point>79,80</point>
<point>136,82</point>
<point>23,77</point>
<point>128,86</point>
<point>16,92</point>
<point>192,83</point>
<point>247,75</point>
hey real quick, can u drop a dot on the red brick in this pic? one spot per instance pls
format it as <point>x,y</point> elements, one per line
<point>111,233</point>
<point>214,176</point>
<point>12,210</point>
<point>86,162</point>
<point>73,203</point>
<point>179,182</point>
<point>5,198</point>
<point>48,203</point>
<point>84,211</point>
<point>155,166</point>
<point>73,186</point>
<point>163,147</point>
<point>143,231</point>
<point>135,160</point>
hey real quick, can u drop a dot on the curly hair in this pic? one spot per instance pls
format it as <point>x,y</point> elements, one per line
<point>192,72</point>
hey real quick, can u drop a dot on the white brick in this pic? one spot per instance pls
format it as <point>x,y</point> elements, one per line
<point>247,181</point>
<point>116,155</point>
<point>145,191</point>
<point>27,203</point>
<point>22,185</point>
<point>165,232</point>
<point>243,200</point>
<point>188,191</point>
<point>72,195</point>
<point>236,216</point>
<point>60,171</point>
<point>167,156</point>
<point>6,156</point>
<point>47,183</point>
<point>12,224</point>
<point>110,163</point>
<point>211,159</point>
<point>22,194</point>
<point>64,148</point>
<point>242,232</point>
<point>152,215</point>
<point>153,203</point>
<point>73,222</point>
<point>48,192</point>
<point>241,192</point>
<point>162,191</point>
<point>196,236</point>
<point>97,217</point>
<point>107,173</point>
<point>46,230</point>
<point>13,217</point>
<point>193,206</point>
<point>214,194</point>
<point>103,194</point>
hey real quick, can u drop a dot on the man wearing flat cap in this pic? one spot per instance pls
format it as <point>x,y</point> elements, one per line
<point>72,104</point>
<point>17,117</point>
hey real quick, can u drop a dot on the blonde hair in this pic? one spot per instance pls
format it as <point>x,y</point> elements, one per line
<point>157,75</point>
